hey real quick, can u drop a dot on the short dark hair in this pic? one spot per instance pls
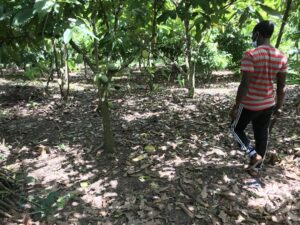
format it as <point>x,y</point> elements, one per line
<point>265,28</point>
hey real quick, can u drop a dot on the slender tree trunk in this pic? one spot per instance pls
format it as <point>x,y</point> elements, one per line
<point>50,75</point>
<point>297,47</point>
<point>62,73</point>
<point>55,57</point>
<point>66,86</point>
<point>1,68</point>
<point>153,43</point>
<point>103,107</point>
<point>109,141</point>
<point>96,46</point>
<point>108,137</point>
<point>85,69</point>
<point>284,21</point>
<point>140,64</point>
<point>188,56</point>
<point>84,55</point>
<point>57,67</point>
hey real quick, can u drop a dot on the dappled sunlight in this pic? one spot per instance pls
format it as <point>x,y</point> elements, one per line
<point>275,195</point>
<point>81,87</point>
<point>167,168</point>
<point>214,91</point>
<point>137,116</point>
<point>99,194</point>
<point>174,156</point>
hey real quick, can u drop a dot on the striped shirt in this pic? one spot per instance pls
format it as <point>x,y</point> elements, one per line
<point>264,63</point>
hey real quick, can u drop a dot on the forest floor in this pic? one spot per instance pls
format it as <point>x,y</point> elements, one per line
<point>175,160</point>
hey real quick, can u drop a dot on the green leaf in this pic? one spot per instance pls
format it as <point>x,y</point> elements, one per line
<point>86,31</point>
<point>203,4</point>
<point>51,199</point>
<point>244,16</point>
<point>259,16</point>
<point>62,201</point>
<point>103,79</point>
<point>150,148</point>
<point>271,11</point>
<point>70,1</point>
<point>198,35</point>
<point>62,147</point>
<point>23,16</point>
<point>166,15</point>
<point>144,178</point>
<point>43,6</point>
<point>183,13</point>
<point>68,35</point>
<point>166,28</point>
<point>84,184</point>
<point>110,104</point>
<point>140,157</point>
<point>203,20</point>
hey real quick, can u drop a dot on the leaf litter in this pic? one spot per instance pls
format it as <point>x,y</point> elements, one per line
<point>175,162</point>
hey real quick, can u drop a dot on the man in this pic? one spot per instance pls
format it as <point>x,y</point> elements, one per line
<point>255,100</point>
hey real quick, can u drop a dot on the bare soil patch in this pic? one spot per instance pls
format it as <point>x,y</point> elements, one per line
<point>175,161</point>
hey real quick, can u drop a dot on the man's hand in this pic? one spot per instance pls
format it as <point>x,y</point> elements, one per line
<point>233,112</point>
<point>275,115</point>
<point>277,112</point>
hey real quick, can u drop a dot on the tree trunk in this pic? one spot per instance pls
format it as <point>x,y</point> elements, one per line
<point>57,67</point>
<point>153,43</point>
<point>84,55</point>
<point>85,70</point>
<point>284,21</point>
<point>62,78</point>
<point>297,54</point>
<point>50,75</point>
<point>188,57</point>
<point>66,78</point>
<point>96,46</point>
<point>140,64</point>
<point>108,138</point>
<point>103,107</point>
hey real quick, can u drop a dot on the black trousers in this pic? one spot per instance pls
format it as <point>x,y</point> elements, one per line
<point>260,123</point>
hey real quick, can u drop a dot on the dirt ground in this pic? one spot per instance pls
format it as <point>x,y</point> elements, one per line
<point>175,161</point>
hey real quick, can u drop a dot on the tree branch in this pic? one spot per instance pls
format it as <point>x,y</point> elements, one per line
<point>284,21</point>
<point>85,58</point>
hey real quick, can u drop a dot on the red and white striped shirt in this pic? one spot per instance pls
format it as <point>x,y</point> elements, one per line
<point>264,62</point>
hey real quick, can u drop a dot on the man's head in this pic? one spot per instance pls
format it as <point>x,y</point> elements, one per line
<point>262,31</point>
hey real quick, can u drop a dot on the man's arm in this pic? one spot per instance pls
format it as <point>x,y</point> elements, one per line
<point>243,88</point>
<point>241,93</point>
<point>280,91</point>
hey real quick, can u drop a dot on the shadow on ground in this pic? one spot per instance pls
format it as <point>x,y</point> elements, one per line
<point>175,162</point>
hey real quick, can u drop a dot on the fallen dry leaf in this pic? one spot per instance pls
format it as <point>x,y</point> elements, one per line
<point>204,192</point>
<point>223,216</point>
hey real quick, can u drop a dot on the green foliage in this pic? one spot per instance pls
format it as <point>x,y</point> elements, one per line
<point>181,80</point>
<point>233,42</point>
<point>293,77</point>
<point>294,67</point>
<point>100,79</point>
<point>23,16</point>
<point>42,7</point>
<point>271,11</point>
<point>51,203</point>
<point>121,30</point>
<point>32,73</point>
<point>62,147</point>
<point>205,61</point>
